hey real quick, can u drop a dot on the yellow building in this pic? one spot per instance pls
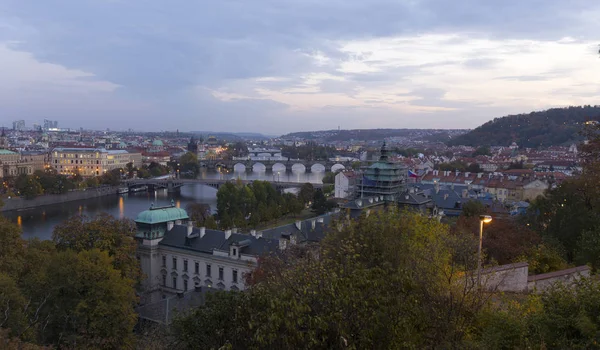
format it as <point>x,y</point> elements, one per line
<point>91,161</point>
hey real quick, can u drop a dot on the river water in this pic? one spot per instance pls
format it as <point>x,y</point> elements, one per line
<point>39,222</point>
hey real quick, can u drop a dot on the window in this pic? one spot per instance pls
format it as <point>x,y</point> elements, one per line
<point>208,270</point>
<point>174,282</point>
<point>234,252</point>
<point>196,267</point>
<point>220,273</point>
<point>164,261</point>
<point>175,263</point>
<point>234,276</point>
<point>185,285</point>
<point>165,280</point>
<point>184,265</point>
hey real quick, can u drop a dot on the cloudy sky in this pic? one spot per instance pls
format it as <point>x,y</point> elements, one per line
<point>276,66</point>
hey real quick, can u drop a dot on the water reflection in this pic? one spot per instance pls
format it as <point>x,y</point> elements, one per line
<point>39,222</point>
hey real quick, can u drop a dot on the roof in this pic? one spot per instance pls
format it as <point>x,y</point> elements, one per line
<point>215,239</point>
<point>157,143</point>
<point>82,149</point>
<point>120,151</point>
<point>161,215</point>
<point>5,152</point>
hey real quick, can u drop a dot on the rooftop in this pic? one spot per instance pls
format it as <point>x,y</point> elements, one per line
<point>161,215</point>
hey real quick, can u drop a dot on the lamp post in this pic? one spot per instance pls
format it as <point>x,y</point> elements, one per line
<point>483,219</point>
<point>278,177</point>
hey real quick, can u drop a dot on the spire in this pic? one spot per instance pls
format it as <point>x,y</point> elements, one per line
<point>385,153</point>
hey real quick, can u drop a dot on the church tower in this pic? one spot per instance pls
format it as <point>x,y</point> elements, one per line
<point>3,140</point>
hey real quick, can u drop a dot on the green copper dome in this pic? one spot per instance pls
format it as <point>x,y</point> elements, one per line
<point>157,143</point>
<point>161,215</point>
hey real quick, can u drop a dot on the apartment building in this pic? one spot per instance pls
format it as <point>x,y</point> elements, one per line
<point>91,161</point>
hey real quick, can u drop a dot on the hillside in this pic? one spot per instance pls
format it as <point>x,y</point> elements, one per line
<point>375,134</point>
<point>555,126</point>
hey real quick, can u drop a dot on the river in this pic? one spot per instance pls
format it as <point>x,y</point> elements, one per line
<point>39,222</point>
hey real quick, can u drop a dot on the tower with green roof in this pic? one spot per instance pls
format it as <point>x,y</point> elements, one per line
<point>383,178</point>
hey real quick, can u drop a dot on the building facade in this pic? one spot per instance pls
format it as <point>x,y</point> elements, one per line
<point>345,184</point>
<point>91,161</point>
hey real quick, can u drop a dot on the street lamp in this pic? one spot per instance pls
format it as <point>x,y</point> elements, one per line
<point>278,177</point>
<point>483,219</point>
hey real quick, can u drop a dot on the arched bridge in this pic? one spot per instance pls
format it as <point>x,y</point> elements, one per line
<point>173,185</point>
<point>279,165</point>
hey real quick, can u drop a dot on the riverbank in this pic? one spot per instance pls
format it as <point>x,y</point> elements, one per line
<point>52,199</point>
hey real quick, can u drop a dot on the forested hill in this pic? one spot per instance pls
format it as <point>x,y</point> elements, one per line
<point>555,126</point>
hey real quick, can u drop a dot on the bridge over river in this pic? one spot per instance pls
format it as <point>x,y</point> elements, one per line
<point>279,165</point>
<point>173,185</point>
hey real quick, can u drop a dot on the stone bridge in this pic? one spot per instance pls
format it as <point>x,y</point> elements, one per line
<point>279,165</point>
<point>173,185</point>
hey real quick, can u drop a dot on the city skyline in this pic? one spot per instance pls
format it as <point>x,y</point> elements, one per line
<point>274,67</point>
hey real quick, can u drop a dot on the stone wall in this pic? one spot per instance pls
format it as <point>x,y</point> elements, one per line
<point>50,199</point>
<point>506,278</point>
<point>539,283</point>
<point>514,278</point>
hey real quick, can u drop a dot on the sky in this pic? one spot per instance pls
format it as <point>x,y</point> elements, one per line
<point>278,66</point>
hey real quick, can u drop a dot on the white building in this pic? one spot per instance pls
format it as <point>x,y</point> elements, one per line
<point>177,257</point>
<point>345,183</point>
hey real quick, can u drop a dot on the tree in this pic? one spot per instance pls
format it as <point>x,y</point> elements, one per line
<point>306,193</point>
<point>198,213</point>
<point>482,151</point>
<point>474,168</point>
<point>319,202</point>
<point>473,208</point>
<point>190,166</point>
<point>329,178</point>
<point>389,280</point>
<point>92,304</point>
<point>104,232</point>
<point>29,186</point>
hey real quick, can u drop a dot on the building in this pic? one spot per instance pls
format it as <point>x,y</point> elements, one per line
<point>91,161</point>
<point>177,257</point>
<point>345,184</point>
<point>19,125</point>
<point>383,178</point>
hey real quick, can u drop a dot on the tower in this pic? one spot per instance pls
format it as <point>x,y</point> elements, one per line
<point>3,140</point>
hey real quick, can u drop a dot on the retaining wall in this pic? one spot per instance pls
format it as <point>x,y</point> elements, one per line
<point>50,199</point>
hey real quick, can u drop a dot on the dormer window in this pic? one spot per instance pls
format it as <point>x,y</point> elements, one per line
<point>234,252</point>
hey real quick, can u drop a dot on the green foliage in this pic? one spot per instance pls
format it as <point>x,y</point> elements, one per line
<point>544,258</point>
<point>242,206</point>
<point>537,129</point>
<point>306,193</point>
<point>79,296</point>
<point>473,208</point>
<point>482,151</point>
<point>157,169</point>
<point>329,178</point>
<point>386,281</point>
<point>409,152</point>
<point>29,186</point>
<point>104,232</point>
<point>310,152</point>
<point>452,166</point>
<point>190,167</point>
<point>320,204</point>
<point>201,215</point>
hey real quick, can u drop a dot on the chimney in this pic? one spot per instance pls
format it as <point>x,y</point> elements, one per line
<point>299,225</point>
<point>190,227</point>
<point>234,230</point>
<point>227,234</point>
<point>177,222</point>
<point>282,243</point>
<point>313,222</point>
<point>457,173</point>
<point>202,231</point>
<point>467,174</point>
<point>445,196</point>
<point>479,175</point>
<point>253,233</point>
<point>320,219</point>
<point>258,234</point>
<point>170,225</point>
<point>465,193</point>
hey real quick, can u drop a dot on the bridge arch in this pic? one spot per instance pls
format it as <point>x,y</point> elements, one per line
<point>279,167</point>
<point>337,167</point>
<point>318,168</point>
<point>298,168</point>
<point>239,167</point>
<point>259,167</point>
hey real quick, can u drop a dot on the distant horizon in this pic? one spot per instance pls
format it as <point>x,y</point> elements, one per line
<point>275,67</point>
